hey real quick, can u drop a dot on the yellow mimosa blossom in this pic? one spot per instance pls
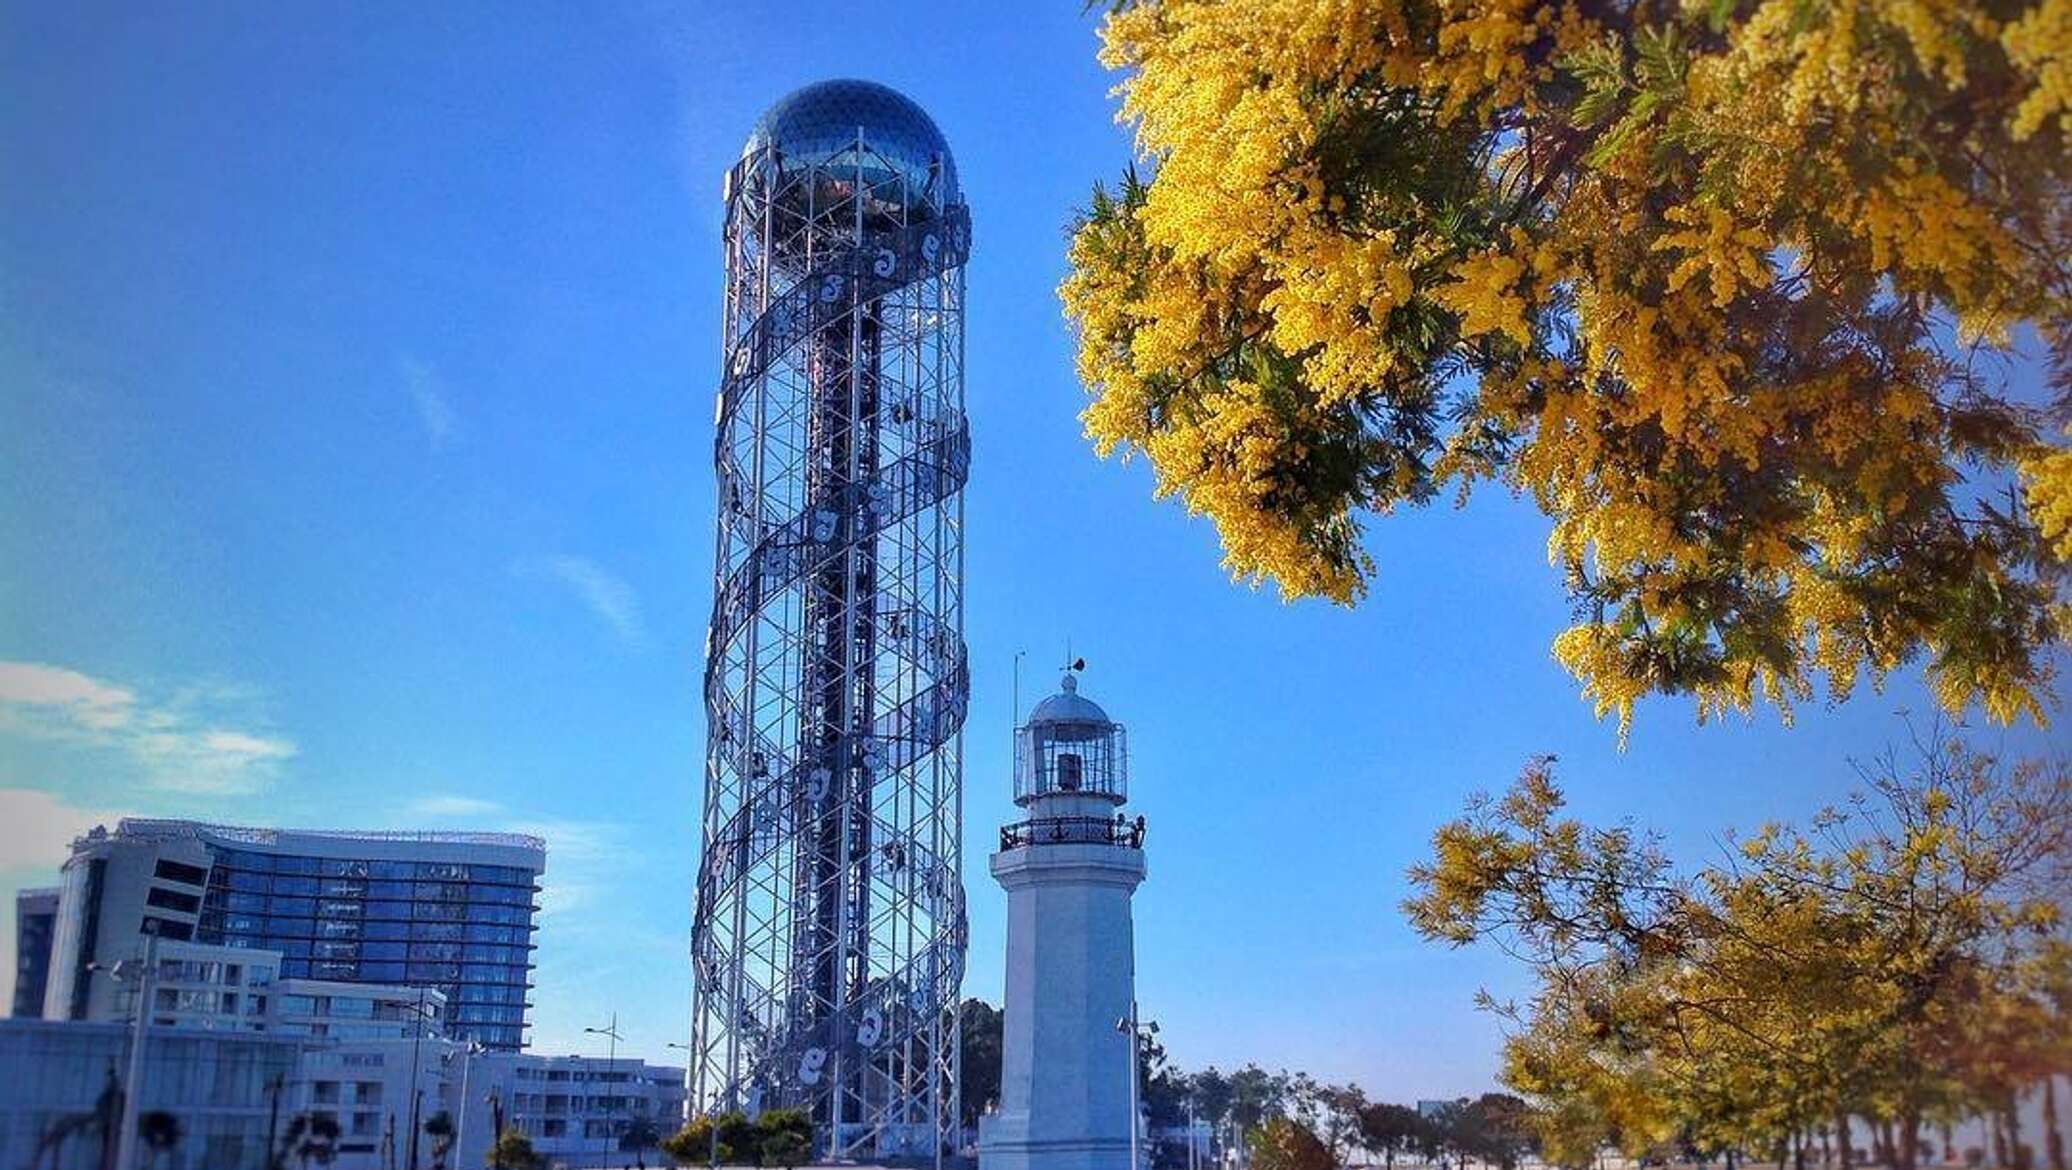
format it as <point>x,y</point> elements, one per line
<point>1713,285</point>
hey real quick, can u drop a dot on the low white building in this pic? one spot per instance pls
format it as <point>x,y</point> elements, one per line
<point>578,1111</point>
<point>240,989</point>
<point>232,1087</point>
<point>380,1093</point>
<point>196,986</point>
<point>329,1009</point>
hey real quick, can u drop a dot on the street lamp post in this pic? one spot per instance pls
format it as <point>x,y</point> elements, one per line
<point>460,1124</point>
<point>496,1118</point>
<point>273,1112</point>
<point>1192,1160</point>
<point>1138,1034</point>
<point>416,1089</point>
<point>140,1026</point>
<point>611,1054</point>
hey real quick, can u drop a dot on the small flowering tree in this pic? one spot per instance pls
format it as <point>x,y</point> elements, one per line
<point>1282,1143</point>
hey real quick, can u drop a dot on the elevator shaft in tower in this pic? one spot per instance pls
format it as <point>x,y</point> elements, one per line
<point>843,371</point>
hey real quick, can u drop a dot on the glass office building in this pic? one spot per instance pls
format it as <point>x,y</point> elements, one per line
<point>453,912</point>
<point>35,917</point>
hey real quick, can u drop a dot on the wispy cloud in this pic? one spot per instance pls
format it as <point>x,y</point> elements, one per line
<point>446,805</point>
<point>584,859</point>
<point>65,695</point>
<point>434,405</point>
<point>212,762</point>
<point>604,594</point>
<point>200,740</point>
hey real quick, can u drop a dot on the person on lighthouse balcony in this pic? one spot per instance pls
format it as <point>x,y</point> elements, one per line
<point>1068,1088</point>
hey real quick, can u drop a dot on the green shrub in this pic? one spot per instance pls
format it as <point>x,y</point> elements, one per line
<point>784,1137</point>
<point>739,1141</point>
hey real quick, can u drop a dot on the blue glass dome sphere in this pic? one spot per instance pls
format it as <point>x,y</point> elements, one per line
<point>818,126</point>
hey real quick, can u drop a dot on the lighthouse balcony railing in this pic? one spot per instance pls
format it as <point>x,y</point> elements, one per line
<point>1073,831</point>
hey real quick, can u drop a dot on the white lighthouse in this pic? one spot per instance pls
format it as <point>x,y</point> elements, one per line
<point>1067,1075</point>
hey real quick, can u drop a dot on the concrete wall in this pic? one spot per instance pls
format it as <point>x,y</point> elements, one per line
<point>214,1082</point>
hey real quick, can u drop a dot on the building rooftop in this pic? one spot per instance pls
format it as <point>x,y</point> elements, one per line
<point>156,828</point>
<point>511,848</point>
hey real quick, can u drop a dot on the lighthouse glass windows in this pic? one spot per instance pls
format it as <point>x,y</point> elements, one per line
<point>1071,757</point>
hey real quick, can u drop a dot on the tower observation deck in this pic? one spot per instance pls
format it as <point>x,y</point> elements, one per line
<point>829,929</point>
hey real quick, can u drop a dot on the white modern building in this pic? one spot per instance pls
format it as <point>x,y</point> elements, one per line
<point>264,1006</point>
<point>194,986</point>
<point>223,988</point>
<point>234,1090</point>
<point>1068,1073</point>
<point>380,1093</point>
<point>578,1111</point>
<point>447,911</point>
<point>334,1010</point>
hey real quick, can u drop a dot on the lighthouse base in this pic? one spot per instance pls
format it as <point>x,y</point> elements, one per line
<point>1004,1143</point>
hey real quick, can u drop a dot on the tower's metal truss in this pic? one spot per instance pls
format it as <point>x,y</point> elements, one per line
<point>829,930</point>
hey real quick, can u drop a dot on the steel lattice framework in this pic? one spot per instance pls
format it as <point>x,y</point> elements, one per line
<point>829,931</point>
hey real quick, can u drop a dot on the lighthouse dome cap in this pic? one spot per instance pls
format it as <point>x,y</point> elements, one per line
<point>1069,706</point>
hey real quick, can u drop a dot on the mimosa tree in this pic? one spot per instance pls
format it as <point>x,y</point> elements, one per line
<point>1734,290</point>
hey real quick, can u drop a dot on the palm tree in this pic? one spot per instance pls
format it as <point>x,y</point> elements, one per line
<point>439,1127</point>
<point>63,1130</point>
<point>101,1120</point>
<point>321,1142</point>
<point>277,1158</point>
<point>160,1131</point>
<point>641,1134</point>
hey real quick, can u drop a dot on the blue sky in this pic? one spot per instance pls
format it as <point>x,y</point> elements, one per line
<point>355,404</point>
